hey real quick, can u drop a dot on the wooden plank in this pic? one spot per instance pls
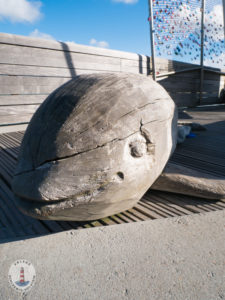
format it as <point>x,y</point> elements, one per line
<point>24,220</point>
<point>190,203</point>
<point>12,128</point>
<point>211,100</point>
<point>14,119</point>
<point>18,110</point>
<point>194,75</point>
<point>208,78</point>
<point>214,81</point>
<point>75,225</point>
<point>134,70</point>
<point>10,54</point>
<point>8,160</point>
<point>5,221</point>
<point>22,99</point>
<point>157,208</point>
<point>173,64</point>
<point>9,148</point>
<point>221,203</point>
<point>123,218</point>
<point>170,86</point>
<point>213,207</point>
<point>201,156</point>
<point>4,174</point>
<point>213,76</point>
<point>212,88</point>
<point>116,220</point>
<point>150,213</point>
<point>137,214</point>
<point>165,207</point>
<point>16,137</point>
<point>26,70</point>
<point>184,99</point>
<point>140,61</point>
<point>13,223</point>
<point>52,226</point>
<point>6,142</point>
<point>197,164</point>
<point>209,86</point>
<point>13,139</point>
<point>131,217</point>
<point>163,201</point>
<point>19,134</point>
<point>58,72</point>
<point>7,168</point>
<point>3,233</point>
<point>29,85</point>
<point>17,40</point>
<point>68,72</point>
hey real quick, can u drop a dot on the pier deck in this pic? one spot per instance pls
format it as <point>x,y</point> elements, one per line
<point>205,152</point>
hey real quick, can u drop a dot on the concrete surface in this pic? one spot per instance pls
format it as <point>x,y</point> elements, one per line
<point>176,258</point>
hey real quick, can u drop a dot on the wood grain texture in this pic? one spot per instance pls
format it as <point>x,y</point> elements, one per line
<point>10,39</point>
<point>18,109</point>
<point>26,99</point>
<point>30,69</point>
<point>15,119</point>
<point>94,147</point>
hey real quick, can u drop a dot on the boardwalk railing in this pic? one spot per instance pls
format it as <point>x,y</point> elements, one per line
<point>30,69</point>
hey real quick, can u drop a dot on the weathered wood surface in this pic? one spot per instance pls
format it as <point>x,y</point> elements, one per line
<point>184,88</point>
<point>153,205</point>
<point>94,147</point>
<point>29,99</point>
<point>197,167</point>
<point>30,69</point>
<point>13,119</point>
<point>186,181</point>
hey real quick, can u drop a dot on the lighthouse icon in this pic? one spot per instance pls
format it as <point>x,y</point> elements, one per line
<point>21,275</point>
<point>21,281</point>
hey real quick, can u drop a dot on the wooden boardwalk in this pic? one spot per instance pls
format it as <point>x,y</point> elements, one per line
<point>205,152</point>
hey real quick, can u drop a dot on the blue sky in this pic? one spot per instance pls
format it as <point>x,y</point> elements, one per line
<point>116,24</point>
<point>121,25</point>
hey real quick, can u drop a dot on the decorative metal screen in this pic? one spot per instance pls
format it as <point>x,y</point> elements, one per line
<point>178,27</point>
<point>214,49</point>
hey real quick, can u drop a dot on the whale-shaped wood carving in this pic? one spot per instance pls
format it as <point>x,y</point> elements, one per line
<point>94,147</point>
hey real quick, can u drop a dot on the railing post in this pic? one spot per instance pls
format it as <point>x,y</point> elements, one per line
<point>224,16</point>
<point>202,50</point>
<point>152,30</point>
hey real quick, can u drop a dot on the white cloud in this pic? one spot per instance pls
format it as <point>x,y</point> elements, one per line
<point>126,1</point>
<point>213,21</point>
<point>20,10</point>
<point>216,61</point>
<point>214,32</point>
<point>41,35</point>
<point>70,42</point>
<point>101,44</point>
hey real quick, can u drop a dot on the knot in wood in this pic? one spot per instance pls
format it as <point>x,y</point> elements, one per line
<point>137,148</point>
